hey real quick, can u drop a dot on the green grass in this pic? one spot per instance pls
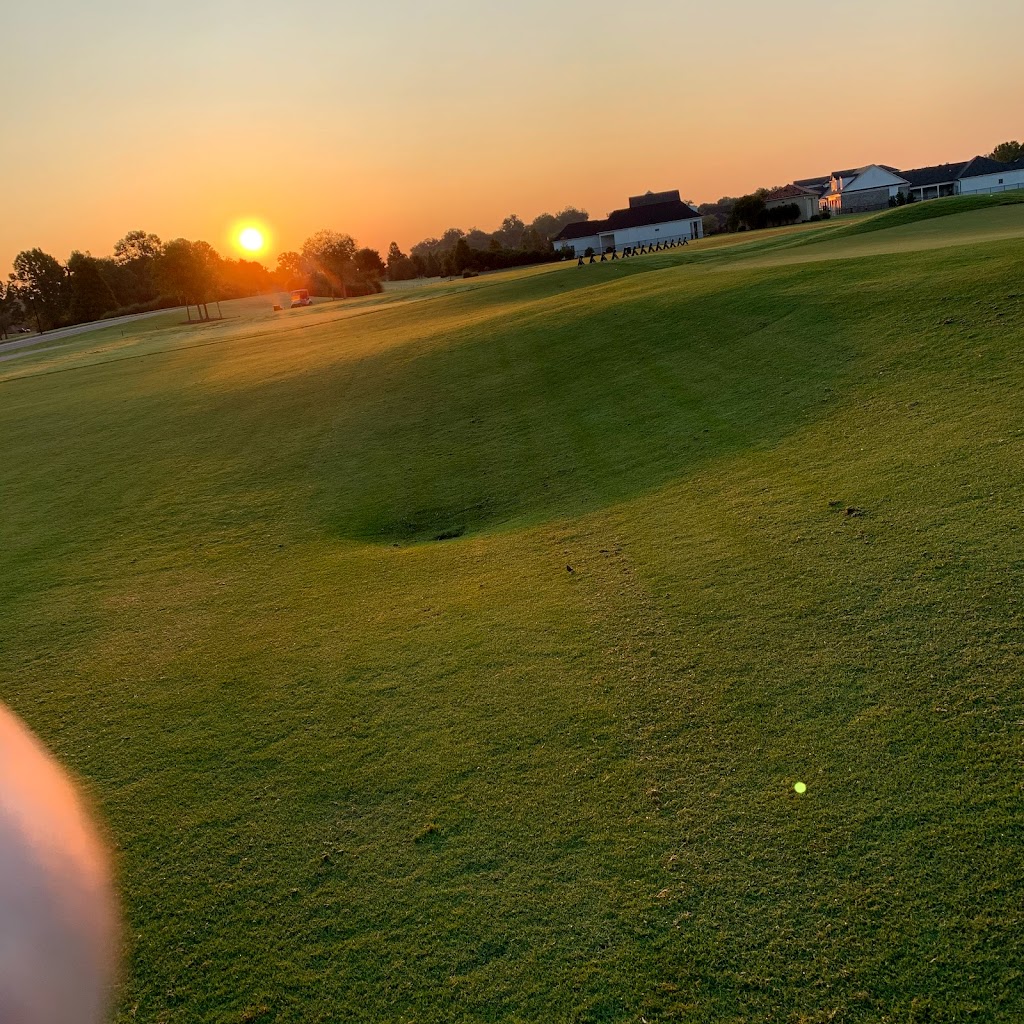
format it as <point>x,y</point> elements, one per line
<point>915,213</point>
<point>710,528</point>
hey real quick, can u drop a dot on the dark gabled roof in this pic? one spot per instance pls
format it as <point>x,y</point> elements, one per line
<point>982,165</point>
<point>819,186</point>
<point>579,229</point>
<point>653,213</point>
<point>940,174</point>
<point>793,191</point>
<point>631,217</point>
<point>854,171</point>
<point>1017,165</point>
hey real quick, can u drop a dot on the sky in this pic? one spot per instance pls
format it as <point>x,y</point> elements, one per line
<point>395,121</point>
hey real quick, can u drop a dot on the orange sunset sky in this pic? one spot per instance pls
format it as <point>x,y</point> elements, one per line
<point>398,120</point>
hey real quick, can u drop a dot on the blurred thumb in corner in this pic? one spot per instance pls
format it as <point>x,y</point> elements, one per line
<point>58,912</point>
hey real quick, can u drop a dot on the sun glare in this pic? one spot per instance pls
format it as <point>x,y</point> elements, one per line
<point>251,239</point>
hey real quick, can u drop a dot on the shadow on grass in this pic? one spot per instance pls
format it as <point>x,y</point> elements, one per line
<point>516,403</point>
<point>580,401</point>
<point>591,398</point>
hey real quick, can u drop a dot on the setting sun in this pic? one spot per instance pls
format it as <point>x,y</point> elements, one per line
<point>251,239</point>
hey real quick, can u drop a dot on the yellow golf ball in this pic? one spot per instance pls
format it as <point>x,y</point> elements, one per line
<point>800,787</point>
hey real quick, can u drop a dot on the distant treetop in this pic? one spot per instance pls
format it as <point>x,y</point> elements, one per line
<point>1007,152</point>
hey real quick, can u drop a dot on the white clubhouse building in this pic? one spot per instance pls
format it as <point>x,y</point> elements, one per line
<point>649,219</point>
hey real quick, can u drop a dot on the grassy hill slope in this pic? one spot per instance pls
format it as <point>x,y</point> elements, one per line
<point>915,213</point>
<point>454,659</point>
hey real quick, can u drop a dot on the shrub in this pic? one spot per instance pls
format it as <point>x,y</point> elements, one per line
<point>364,286</point>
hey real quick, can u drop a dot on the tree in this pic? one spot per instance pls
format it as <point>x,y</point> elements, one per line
<point>748,212</point>
<point>189,270</point>
<point>177,272</point>
<point>716,215</point>
<point>510,234</point>
<point>211,267</point>
<point>243,277</point>
<point>11,311</point>
<point>328,255</point>
<point>400,266</point>
<point>462,256</point>
<point>1007,152</point>
<point>90,295</point>
<point>570,215</point>
<point>451,238</point>
<point>42,284</point>
<point>291,270</point>
<point>477,239</point>
<point>545,225</point>
<point>137,245</point>
<point>368,262</point>
<point>713,223</point>
<point>138,254</point>
<point>426,257</point>
<point>533,241</point>
<point>427,245</point>
<point>119,280</point>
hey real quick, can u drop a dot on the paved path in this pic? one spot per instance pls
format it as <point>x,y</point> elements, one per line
<point>69,332</point>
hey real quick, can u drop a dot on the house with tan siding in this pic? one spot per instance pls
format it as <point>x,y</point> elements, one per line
<point>805,199</point>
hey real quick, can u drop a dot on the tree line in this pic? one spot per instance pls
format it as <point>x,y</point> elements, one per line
<point>144,273</point>
<point>513,244</point>
<point>332,263</point>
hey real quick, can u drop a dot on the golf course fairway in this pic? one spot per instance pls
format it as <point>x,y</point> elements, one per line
<point>634,642</point>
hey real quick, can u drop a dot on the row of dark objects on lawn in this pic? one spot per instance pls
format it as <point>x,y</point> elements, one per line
<point>630,251</point>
